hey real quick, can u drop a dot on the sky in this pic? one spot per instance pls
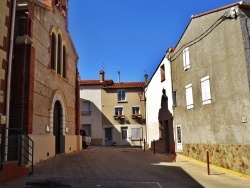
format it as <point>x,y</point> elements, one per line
<point>129,36</point>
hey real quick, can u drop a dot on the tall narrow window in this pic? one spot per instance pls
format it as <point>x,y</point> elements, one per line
<point>174,98</point>
<point>189,96</point>
<point>124,131</point>
<point>121,95</point>
<point>53,52</point>
<point>86,108</point>
<point>59,54</point>
<point>162,68</point>
<point>205,90</point>
<point>186,60</point>
<point>64,61</point>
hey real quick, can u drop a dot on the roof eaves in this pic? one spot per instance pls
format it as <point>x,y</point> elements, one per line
<point>221,8</point>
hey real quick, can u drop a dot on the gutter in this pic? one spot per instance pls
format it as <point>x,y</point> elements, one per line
<point>9,80</point>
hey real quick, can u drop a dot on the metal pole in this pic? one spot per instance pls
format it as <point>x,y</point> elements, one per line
<point>208,167</point>
<point>9,80</point>
<point>144,144</point>
<point>154,146</point>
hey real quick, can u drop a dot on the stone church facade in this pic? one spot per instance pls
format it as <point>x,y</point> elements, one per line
<point>45,92</point>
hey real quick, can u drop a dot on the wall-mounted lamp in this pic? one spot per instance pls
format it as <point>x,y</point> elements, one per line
<point>47,128</point>
<point>22,3</point>
<point>66,129</point>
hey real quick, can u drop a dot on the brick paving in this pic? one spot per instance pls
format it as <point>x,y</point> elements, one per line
<point>122,167</point>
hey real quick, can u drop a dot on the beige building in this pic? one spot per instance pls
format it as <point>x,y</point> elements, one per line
<point>5,19</point>
<point>120,108</point>
<point>211,84</point>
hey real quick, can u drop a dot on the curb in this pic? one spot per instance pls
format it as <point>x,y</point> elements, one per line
<point>216,167</point>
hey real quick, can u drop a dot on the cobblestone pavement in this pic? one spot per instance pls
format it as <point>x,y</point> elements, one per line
<point>120,167</point>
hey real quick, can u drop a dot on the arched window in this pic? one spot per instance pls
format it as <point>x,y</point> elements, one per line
<point>59,54</point>
<point>53,52</point>
<point>64,61</point>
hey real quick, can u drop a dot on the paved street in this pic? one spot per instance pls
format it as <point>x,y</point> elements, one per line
<point>126,167</point>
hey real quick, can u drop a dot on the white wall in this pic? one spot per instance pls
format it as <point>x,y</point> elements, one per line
<point>93,94</point>
<point>153,103</point>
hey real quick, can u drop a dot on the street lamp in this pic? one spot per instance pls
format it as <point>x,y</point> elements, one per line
<point>142,93</point>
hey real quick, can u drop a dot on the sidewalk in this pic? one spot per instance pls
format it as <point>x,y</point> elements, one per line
<point>127,167</point>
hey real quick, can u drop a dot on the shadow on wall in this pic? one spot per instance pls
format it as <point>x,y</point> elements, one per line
<point>166,135</point>
<point>100,135</point>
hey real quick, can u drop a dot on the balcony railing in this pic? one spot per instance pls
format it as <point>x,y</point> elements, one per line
<point>19,147</point>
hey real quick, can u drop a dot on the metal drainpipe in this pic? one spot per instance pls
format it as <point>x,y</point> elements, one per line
<point>9,80</point>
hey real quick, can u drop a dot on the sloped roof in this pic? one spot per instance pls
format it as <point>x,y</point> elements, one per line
<point>240,3</point>
<point>109,84</point>
<point>95,82</point>
<point>126,85</point>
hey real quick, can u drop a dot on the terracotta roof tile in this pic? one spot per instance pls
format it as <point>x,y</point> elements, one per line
<point>126,85</point>
<point>95,82</point>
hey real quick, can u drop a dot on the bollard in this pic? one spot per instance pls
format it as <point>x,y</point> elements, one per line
<point>174,153</point>
<point>208,167</point>
<point>154,146</point>
<point>144,144</point>
<point>140,143</point>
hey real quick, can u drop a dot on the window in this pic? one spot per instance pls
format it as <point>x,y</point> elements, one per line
<point>174,98</point>
<point>86,128</point>
<point>136,133</point>
<point>86,108</point>
<point>135,110</point>
<point>118,110</point>
<point>189,96</point>
<point>186,60</point>
<point>178,131</point>
<point>59,53</point>
<point>205,90</point>
<point>121,95</point>
<point>124,131</point>
<point>162,72</point>
<point>53,52</point>
<point>64,62</point>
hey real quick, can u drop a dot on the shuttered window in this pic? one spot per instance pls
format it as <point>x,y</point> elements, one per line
<point>205,90</point>
<point>186,60</point>
<point>136,133</point>
<point>189,96</point>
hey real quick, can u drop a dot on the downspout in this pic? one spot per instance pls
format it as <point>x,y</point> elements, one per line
<point>9,80</point>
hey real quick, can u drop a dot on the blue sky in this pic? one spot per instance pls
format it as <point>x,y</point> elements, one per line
<point>130,36</point>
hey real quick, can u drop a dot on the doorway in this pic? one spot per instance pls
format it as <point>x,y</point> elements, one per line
<point>124,131</point>
<point>57,126</point>
<point>178,138</point>
<point>108,137</point>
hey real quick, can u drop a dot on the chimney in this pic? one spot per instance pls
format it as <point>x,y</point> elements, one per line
<point>101,75</point>
<point>118,76</point>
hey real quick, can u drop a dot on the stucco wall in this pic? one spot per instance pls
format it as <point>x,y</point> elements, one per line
<point>44,145</point>
<point>93,94</point>
<point>220,55</point>
<point>109,101</point>
<point>155,111</point>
